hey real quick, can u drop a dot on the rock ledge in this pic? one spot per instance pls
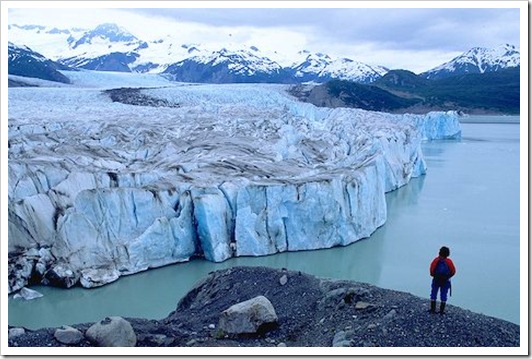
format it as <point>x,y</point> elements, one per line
<point>310,311</point>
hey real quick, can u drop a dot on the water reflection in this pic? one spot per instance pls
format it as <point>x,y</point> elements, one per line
<point>405,196</point>
<point>154,294</point>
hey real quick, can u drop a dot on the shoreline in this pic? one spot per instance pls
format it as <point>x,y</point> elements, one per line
<point>311,311</point>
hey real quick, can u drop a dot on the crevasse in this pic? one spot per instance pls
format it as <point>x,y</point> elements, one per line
<point>100,189</point>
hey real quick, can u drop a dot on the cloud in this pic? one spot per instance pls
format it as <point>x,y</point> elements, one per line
<point>408,29</point>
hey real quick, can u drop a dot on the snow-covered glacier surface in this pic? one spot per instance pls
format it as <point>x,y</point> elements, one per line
<point>99,189</point>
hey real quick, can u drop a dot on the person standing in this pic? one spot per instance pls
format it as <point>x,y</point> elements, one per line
<point>441,270</point>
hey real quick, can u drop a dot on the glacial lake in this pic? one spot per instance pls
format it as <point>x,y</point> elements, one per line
<point>468,200</point>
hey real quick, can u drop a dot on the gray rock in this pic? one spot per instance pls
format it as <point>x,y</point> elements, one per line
<point>341,339</point>
<point>338,337</point>
<point>361,292</point>
<point>68,335</point>
<point>96,277</point>
<point>155,340</point>
<point>15,332</point>
<point>283,280</point>
<point>336,293</point>
<point>390,315</point>
<point>333,297</point>
<point>362,305</point>
<point>342,343</point>
<point>27,294</point>
<point>191,342</point>
<point>283,345</point>
<point>112,332</point>
<point>248,316</point>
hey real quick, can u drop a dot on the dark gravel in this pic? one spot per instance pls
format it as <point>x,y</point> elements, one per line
<point>134,96</point>
<point>312,312</point>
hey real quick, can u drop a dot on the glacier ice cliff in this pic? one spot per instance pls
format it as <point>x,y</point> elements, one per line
<point>100,189</point>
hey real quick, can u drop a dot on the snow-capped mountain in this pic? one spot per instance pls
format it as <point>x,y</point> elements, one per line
<point>250,65</point>
<point>240,65</point>
<point>115,61</point>
<point>52,43</point>
<point>23,61</point>
<point>311,65</point>
<point>107,33</point>
<point>109,47</point>
<point>321,67</point>
<point>477,60</point>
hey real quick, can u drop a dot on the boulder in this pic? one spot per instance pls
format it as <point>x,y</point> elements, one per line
<point>93,277</point>
<point>15,332</point>
<point>248,317</point>
<point>61,275</point>
<point>112,332</point>
<point>27,294</point>
<point>68,335</point>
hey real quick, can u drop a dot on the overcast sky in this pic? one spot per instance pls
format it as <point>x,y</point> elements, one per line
<point>412,38</point>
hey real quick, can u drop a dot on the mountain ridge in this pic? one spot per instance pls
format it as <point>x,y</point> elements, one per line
<point>477,60</point>
<point>23,61</point>
<point>109,47</point>
<point>401,91</point>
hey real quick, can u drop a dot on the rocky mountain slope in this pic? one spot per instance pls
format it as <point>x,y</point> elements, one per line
<point>401,91</point>
<point>303,311</point>
<point>23,61</point>
<point>225,66</point>
<point>109,47</point>
<point>319,67</point>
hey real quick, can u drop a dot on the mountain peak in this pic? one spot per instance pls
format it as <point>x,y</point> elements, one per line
<point>478,60</point>
<point>108,31</point>
<point>321,67</point>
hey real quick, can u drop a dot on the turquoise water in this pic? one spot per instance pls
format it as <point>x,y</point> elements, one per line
<point>469,201</point>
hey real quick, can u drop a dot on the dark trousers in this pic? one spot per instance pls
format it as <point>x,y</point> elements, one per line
<point>443,287</point>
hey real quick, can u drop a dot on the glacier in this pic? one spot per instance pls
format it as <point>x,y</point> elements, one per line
<point>100,189</point>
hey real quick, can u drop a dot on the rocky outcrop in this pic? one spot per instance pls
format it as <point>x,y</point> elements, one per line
<point>133,96</point>
<point>309,312</point>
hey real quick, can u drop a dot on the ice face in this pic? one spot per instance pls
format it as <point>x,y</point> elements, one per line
<point>234,170</point>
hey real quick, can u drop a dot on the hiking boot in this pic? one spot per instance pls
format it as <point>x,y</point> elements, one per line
<point>442,308</point>
<point>432,307</point>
